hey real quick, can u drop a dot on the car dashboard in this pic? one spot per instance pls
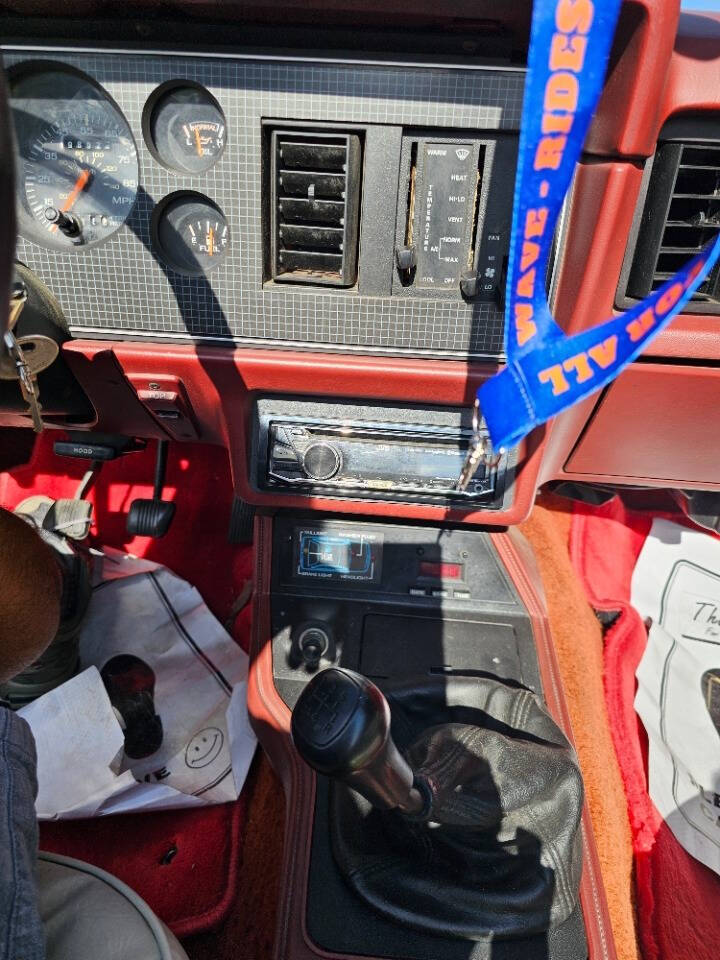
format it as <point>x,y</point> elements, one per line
<point>129,278</point>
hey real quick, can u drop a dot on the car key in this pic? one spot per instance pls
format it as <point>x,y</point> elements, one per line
<point>479,451</point>
<point>16,366</point>
<point>30,390</point>
<point>26,356</point>
<point>28,380</point>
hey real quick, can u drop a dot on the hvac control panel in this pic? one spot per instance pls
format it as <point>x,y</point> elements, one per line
<point>453,230</point>
<point>445,208</point>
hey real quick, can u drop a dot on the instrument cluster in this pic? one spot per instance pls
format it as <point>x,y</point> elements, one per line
<point>77,176</point>
<point>152,185</point>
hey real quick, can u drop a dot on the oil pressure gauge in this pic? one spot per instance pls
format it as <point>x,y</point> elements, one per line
<point>190,233</point>
<point>184,128</point>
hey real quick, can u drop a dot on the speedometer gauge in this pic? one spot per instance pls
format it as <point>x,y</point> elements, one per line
<point>77,162</point>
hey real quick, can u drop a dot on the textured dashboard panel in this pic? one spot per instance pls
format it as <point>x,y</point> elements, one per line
<point>121,288</point>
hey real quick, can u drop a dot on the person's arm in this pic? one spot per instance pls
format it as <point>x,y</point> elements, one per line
<point>30,591</point>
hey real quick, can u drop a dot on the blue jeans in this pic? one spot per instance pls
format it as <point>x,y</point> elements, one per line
<point>21,931</point>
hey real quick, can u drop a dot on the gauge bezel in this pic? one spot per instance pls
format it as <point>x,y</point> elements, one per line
<point>154,101</point>
<point>17,72</point>
<point>160,211</point>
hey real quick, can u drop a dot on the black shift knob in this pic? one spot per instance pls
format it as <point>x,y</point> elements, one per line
<point>341,728</point>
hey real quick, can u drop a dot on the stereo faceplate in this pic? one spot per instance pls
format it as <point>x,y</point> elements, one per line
<point>371,452</point>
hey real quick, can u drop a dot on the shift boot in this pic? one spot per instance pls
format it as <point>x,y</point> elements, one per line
<point>497,851</point>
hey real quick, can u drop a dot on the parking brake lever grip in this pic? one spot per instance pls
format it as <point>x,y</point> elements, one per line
<point>341,728</point>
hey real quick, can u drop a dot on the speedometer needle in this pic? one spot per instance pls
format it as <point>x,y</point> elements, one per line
<point>80,184</point>
<point>198,143</point>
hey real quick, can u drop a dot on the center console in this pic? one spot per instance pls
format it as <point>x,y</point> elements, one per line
<point>392,602</point>
<point>428,615</point>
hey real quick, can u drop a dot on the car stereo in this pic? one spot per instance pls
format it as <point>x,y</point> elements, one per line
<point>371,452</point>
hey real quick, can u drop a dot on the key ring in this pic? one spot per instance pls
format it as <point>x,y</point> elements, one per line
<point>479,451</point>
<point>486,454</point>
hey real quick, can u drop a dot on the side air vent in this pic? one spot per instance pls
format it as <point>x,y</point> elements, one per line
<point>315,207</point>
<point>681,215</point>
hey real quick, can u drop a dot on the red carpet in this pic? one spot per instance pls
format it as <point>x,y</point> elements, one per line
<point>677,897</point>
<point>184,863</point>
<point>248,931</point>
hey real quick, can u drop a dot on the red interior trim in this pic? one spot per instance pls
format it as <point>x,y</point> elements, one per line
<point>518,560</point>
<point>220,384</point>
<point>628,115</point>
<point>661,66</point>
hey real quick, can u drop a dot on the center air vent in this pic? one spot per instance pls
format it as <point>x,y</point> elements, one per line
<point>315,207</point>
<point>681,215</point>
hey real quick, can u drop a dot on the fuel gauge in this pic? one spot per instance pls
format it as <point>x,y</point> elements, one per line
<point>190,233</point>
<point>184,128</point>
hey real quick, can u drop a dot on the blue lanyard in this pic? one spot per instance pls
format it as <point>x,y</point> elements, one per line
<point>547,371</point>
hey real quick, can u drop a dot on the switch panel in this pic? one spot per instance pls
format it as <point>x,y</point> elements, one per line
<point>166,399</point>
<point>392,601</point>
<point>454,215</point>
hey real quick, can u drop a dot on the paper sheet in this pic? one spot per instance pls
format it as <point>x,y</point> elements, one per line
<point>200,694</point>
<point>677,584</point>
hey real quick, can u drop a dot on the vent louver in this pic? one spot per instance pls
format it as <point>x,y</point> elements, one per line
<point>315,207</point>
<point>681,215</point>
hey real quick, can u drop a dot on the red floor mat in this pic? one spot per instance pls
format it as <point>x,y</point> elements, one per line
<point>183,863</point>
<point>677,897</point>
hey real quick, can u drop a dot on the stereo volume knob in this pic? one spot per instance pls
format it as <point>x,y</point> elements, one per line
<point>321,461</point>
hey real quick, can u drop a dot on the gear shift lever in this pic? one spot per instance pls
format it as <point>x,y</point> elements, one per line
<point>493,848</point>
<point>341,728</point>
